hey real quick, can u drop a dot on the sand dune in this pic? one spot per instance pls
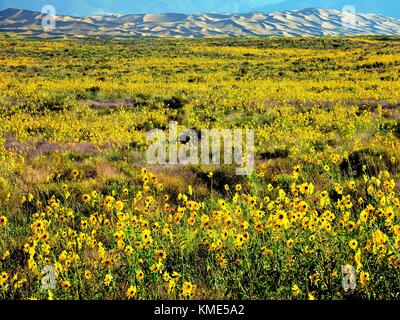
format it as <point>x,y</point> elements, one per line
<point>307,22</point>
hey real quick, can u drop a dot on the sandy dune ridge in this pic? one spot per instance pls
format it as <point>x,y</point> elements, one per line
<point>306,22</point>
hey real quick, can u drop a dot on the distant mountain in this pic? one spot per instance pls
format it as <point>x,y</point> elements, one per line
<point>80,8</point>
<point>306,22</point>
<point>390,8</point>
<point>90,7</point>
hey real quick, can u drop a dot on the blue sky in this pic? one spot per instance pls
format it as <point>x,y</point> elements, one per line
<point>88,7</point>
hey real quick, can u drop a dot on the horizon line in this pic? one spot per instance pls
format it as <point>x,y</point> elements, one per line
<point>188,14</point>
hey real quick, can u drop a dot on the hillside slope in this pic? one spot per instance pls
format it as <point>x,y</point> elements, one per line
<point>306,22</point>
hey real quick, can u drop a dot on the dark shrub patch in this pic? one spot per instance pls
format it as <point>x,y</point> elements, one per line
<point>278,153</point>
<point>374,161</point>
<point>221,176</point>
<point>175,103</point>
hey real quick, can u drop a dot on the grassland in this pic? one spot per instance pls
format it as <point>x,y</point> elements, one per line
<point>76,193</point>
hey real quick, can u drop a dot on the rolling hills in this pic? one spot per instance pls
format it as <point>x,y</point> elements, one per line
<point>305,22</point>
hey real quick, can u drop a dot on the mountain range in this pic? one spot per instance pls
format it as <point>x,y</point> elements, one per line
<point>82,8</point>
<point>305,22</point>
<point>390,8</point>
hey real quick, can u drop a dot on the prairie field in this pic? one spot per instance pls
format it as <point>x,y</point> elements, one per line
<point>319,217</point>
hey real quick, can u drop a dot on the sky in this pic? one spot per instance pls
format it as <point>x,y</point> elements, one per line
<point>90,7</point>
